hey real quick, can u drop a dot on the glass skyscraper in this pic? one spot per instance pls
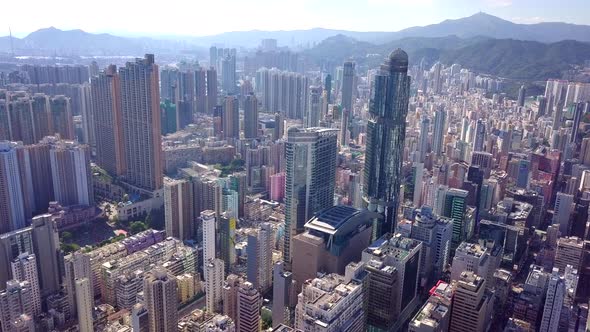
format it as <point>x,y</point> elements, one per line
<point>386,131</point>
<point>310,178</point>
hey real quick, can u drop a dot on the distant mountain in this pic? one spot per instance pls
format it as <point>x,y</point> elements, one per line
<point>52,41</point>
<point>480,24</point>
<point>509,58</point>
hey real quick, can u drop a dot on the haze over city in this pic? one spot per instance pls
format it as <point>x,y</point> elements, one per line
<point>295,166</point>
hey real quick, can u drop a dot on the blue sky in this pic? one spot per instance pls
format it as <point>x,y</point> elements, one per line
<point>206,17</point>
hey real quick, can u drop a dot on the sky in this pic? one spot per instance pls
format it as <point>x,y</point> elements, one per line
<point>208,17</point>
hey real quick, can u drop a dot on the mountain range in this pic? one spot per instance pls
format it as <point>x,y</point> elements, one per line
<point>51,41</point>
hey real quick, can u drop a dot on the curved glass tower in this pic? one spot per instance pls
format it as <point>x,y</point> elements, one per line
<point>386,132</point>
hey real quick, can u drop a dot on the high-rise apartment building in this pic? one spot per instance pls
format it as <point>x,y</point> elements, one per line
<point>386,131</point>
<point>77,267</point>
<point>15,301</point>
<point>281,290</point>
<point>108,121</point>
<point>259,268</point>
<point>179,209</point>
<point>553,302</point>
<point>348,73</point>
<point>140,107</point>
<point>84,304</point>
<point>230,296</point>
<point>435,233</point>
<point>423,142</point>
<point>231,118</point>
<point>215,272</point>
<point>207,219</point>
<point>250,117</point>
<point>314,108</point>
<point>61,117</point>
<point>159,289</point>
<point>24,268</point>
<point>211,89</point>
<point>12,205</point>
<point>70,170</point>
<point>310,178</point>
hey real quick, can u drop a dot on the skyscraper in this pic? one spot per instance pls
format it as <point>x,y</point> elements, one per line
<point>208,222</point>
<point>470,304</point>
<point>440,116</point>
<point>347,86</point>
<point>553,302</point>
<point>250,117</point>
<point>179,208</point>
<point>140,107</point>
<point>480,135</point>
<point>84,304</point>
<point>386,131</point>
<point>108,121</point>
<point>24,268</point>
<point>231,118</point>
<point>71,174</point>
<point>77,267</point>
<point>15,301</point>
<point>61,117</point>
<point>12,206</point>
<point>211,89</point>
<point>423,143</point>
<point>159,289</point>
<point>248,309</point>
<point>259,269</point>
<point>201,89</point>
<point>310,178</point>
<point>228,73</point>
<point>454,207</point>
<point>214,284</point>
<point>521,96</point>
<point>314,107</point>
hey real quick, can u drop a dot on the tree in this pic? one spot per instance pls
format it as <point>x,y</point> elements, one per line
<point>66,236</point>
<point>137,226</point>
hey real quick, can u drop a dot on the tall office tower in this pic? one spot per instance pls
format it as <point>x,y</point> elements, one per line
<point>348,73</point>
<point>140,107</point>
<point>61,117</point>
<point>139,318</point>
<point>201,89</point>
<point>24,268</point>
<point>250,117</point>
<point>314,108</point>
<point>12,205</point>
<point>386,132</point>
<point>211,89</point>
<point>542,106</point>
<point>436,78</point>
<point>230,296</point>
<point>393,267</point>
<point>84,304</point>
<point>108,121</point>
<point>481,259</point>
<point>521,96</point>
<point>208,221</point>
<point>310,178</point>
<point>579,111</point>
<point>259,268</point>
<point>227,239</point>
<point>248,308</point>
<point>553,302</point>
<point>570,251</point>
<point>228,74</point>
<point>454,207</point>
<point>214,284</point>
<point>328,87</point>
<point>470,304</point>
<point>160,297</point>
<point>42,117</point>
<point>15,301</point>
<point>231,118</point>
<point>179,209</point>
<point>71,174</point>
<point>423,143</point>
<point>480,135</point>
<point>281,292</point>
<point>77,266</point>
<point>562,210</point>
<point>435,233</point>
<point>440,118</point>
